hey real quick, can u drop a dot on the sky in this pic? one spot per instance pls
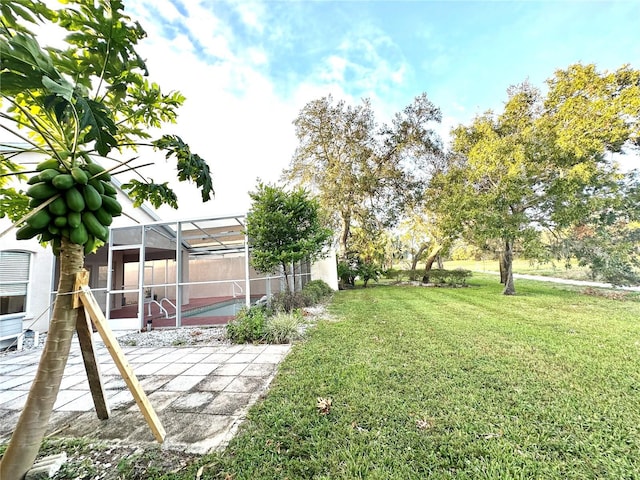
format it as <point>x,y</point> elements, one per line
<point>248,67</point>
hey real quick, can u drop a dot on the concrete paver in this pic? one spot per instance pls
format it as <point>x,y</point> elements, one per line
<point>200,393</point>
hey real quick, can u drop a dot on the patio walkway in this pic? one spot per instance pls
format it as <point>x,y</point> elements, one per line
<point>200,393</point>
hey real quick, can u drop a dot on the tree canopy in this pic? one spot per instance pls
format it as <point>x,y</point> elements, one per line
<point>541,164</point>
<point>284,228</point>
<point>364,174</point>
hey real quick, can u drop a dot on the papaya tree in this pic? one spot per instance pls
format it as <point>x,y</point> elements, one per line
<point>76,106</point>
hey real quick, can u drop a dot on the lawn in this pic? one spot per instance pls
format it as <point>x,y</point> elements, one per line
<point>522,265</point>
<point>452,383</point>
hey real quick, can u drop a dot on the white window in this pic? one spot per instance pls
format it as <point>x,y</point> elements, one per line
<point>14,280</point>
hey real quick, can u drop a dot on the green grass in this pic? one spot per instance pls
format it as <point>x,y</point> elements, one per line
<point>521,265</point>
<point>453,383</point>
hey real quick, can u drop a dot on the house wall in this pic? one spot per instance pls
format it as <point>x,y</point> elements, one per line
<point>40,277</point>
<point>326,269</point>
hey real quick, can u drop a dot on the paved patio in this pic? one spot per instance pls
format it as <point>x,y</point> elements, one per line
<point>200,393</point>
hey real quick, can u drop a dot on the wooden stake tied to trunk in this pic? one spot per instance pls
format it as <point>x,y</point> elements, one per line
<point>85,301</point>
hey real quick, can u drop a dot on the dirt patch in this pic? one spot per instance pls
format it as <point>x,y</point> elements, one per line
<point>101,461</point>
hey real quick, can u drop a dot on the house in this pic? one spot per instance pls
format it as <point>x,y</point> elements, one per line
<point>193,272</point>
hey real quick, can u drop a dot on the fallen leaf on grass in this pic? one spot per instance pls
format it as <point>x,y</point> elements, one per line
<point>425,423</point>
<point>357,427</point>
<point>323,405</point>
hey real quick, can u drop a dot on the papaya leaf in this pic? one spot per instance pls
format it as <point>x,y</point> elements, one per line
<point>154,193</point>
<point>61,87</point>
<point>101,127</point>
<point>190,165</point>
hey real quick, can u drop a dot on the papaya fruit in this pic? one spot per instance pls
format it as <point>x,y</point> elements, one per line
<point>40,220</point>
<point>45,236</point>
<point>26,232</point>
<point>79,235</point>
<point>55,231</point>
<point>74,219</point>
<point>74,199</point>
<point>109,189</point>
<point>51,163</point>
<point>90,246</point>
<point>103,217</point>
<point>111,205</point>
<point>60,221</point>
<point>48,174</point>
<point>92,198</point>
<point>64,181</point>
<point>98,185</point>
<point>93,226</point>
<point>97,171</point>
<point>34,202</point>
<point>58,207</point>
<point>41,191</point>
<point>79,175</point>
<point>33,180</point>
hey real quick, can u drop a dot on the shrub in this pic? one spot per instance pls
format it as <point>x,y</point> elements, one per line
<point>283,327</point>
<point>315,291</point>
<point>248,326</point>
<point>347,273</point>
<point>368,270</point>
<point>288,302</point>
<point>457,277</point>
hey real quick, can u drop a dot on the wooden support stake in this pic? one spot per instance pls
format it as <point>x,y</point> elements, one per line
<point>95,313</point>
<point>85,337</point>
<point>91,365</point>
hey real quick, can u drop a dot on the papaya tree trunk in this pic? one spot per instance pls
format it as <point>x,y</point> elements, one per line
<point>26,439</point>
<point>509,287</point>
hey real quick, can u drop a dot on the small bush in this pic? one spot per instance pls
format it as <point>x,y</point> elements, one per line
<point>248,326</point>
<point>288,302</point>
<point>347,272</point>
<point>283,327</point>
<point>457,277</point>
<point>315,291</point>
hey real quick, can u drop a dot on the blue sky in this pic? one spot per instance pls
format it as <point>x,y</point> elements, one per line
<point>248,67</point>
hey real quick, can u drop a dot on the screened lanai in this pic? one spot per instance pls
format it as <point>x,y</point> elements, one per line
<point>193,272</point>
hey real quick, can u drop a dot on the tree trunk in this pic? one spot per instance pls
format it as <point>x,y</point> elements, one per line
<point>429,264</point>
<point>440,264</point>
<point>509,287</point>
<point>344,236</point>
<point>503,268</point>
<point>32,425</point>
<point>286,277</point>
<point>416,259</point>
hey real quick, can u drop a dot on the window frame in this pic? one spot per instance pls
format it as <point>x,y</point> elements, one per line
<point>20,282</point>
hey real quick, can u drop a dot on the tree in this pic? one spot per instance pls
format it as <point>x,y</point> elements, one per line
<point>284,228</point>
<point>73,106</point>
<point>424,239</point>
<point>607,240</point>
<point>539,165</point>
<point>360,171</point>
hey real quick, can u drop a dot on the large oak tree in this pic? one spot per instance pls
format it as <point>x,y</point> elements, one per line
<point>363,173</point>
<point>541,164</point>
